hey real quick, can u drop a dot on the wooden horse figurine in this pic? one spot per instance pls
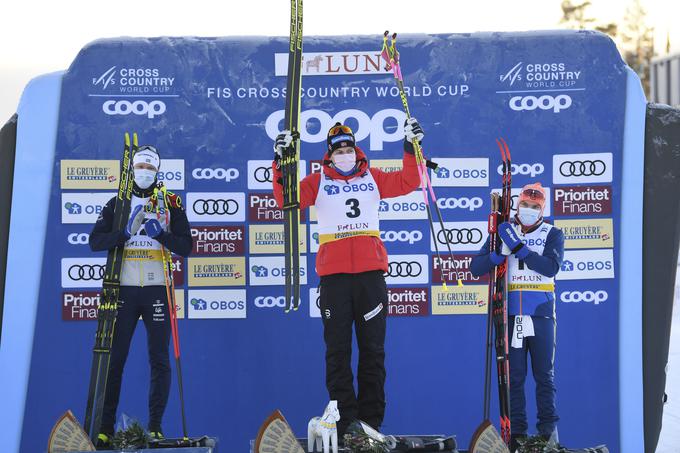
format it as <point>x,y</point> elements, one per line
<point>323,431</point>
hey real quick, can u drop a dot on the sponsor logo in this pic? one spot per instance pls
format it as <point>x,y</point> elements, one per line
<point>217,304</point>
<point>461,236</point>
<point>587,264</point>
<point>171,174</point>
<point>262,207</point>
<point>409,207</point>
<point>314,237</point>
<point>401,236</point>
<point>149,109</point>
<point>545,102</point>
<point>407,269</point>
<point>408,302</point>
<point>216,206</point>
<point>514,196</point>
<point>524,169</point>
<point>380,128</point>
<point>587,233</point>
<point>540,75</point>
<point>314,303</point>
<point>594,297</point>
<point>270,301</point>
<point>218,240</point>
<point>83,207</point>
<point>348,188</point>
<point>315,166</point>
<point>82,272</point>
<point>582,168</point>
<point>450,271</point>
<point>225,174</point>
<point>271,270</point>
<point>222,271</point>
<point>460,300</point>
<point>270,238</point>
<point>260,174</point>
<point>387,165</point>
<point>178,270</point>
<point>78,238</point>
<point>89,174</point>
<point>134,80</point>
<point>583,200</point>
<point>461,172</point>
<point>79,306</point>
<point>333,63</point>
<point>460,203</point>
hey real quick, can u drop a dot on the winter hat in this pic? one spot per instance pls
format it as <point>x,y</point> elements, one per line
<point>339,136</point>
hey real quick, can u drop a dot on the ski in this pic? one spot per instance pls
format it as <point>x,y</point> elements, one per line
<point>290,160</point>
<point>392,62</point>
<point>108,308</point>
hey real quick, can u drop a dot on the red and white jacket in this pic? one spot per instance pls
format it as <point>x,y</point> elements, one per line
<point>354,254</point>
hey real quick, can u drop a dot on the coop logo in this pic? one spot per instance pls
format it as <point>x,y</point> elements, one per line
<point>149,109</point>
<point>401,236</point>
<point>406,207</point>
<point>217,304</point>
<point>171,174</point>
<point>82,272</point>
<point>260,174</point>
<point>540,76</point>
<point>460,236</point>
<point>445,269</point>
<point>532,170</point>
<point>78,238</point>
<point>582,168</point>
<point>407,269</point>
<point>408,302</point>
<point>218,240</point>
<point>270,302</point>
<point>265,271</point>
<point>382,127</point>
<point>216,206</point>
<point>224,174</point>
<point>545,102</point>
<point>584,200</point>
<point>366,62</point>
<point>139,81</point>
<point>594,297</point>
<point>469,204</point>
<point>461,172</point>
<point>83,207</point>
<point>80,306</point>
<point>587,264</point>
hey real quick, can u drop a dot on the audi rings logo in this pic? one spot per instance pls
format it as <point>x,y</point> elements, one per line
<point>595,297</point>
<point>524,169</point>
<point>227,174</point>
<point>78,238</point>
<point>215,207</point>
<point>404,269</point>
<point>545,102</point>
<point>270,301</point>
<point>263,174</point>
<point>460,236</point>
<point>142,108</point>
<point>84,272</point>
<point>582,168</point>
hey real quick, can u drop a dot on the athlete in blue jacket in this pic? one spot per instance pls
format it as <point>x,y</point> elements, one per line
<point>536,253</point>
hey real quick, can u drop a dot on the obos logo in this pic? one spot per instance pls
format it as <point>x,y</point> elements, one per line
<point>83,207</point>
<point>401,236</point>
<point>524,169</point>
<point>216,304</point>
<point>461,172</point>
<point>409,206</point>
<point>407,269</point>
<point>545,102</point>
<point>582,168</point>
<point>372,127</point>
<point>587,264</point>
<point>331,189</point>
<point>260,174</point>
<point>266,271</point>
<point>594,297</point>
<point>223,174</point>
<point>78,238</point>
<point>460,236</point>
<point>82,272</point>
<point>216,206</point>
<point>171,173</point>
<point>460,203</point>
<point>149,109</point>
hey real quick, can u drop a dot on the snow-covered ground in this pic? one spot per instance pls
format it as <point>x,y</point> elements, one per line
<point>669,441</point>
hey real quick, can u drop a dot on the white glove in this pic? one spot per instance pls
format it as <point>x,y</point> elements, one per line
<point>282,142</point>
<point>413,130</point>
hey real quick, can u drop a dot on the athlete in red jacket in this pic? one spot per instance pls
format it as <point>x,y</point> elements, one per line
<point>351,262</point>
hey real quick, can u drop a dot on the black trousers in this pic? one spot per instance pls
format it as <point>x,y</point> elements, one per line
<point>151,303</point>
<point>359,299</point>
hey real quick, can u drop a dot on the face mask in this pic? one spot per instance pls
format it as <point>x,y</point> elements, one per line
<point>528,216</point>
<point>345,162</point>
<point>144,178</point>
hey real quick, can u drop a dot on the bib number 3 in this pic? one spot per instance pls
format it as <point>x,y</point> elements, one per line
<point>354,210</point>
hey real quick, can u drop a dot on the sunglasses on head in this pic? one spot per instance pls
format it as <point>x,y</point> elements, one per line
<point>533,194</point>
<point>339,129</point>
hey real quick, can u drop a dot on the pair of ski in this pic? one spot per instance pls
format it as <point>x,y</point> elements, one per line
<point>290,160</point>
<point>392,62</point>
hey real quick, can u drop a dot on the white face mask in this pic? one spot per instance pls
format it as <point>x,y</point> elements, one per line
<point>144,177</point>
<point>528,216</point>
<point>345,162</point>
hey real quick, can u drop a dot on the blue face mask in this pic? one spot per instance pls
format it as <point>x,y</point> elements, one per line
<point>528,216</point>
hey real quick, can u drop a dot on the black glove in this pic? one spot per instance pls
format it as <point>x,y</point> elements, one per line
<point>412,130</point>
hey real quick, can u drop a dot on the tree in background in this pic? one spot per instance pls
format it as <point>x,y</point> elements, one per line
<point>574,15</point>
